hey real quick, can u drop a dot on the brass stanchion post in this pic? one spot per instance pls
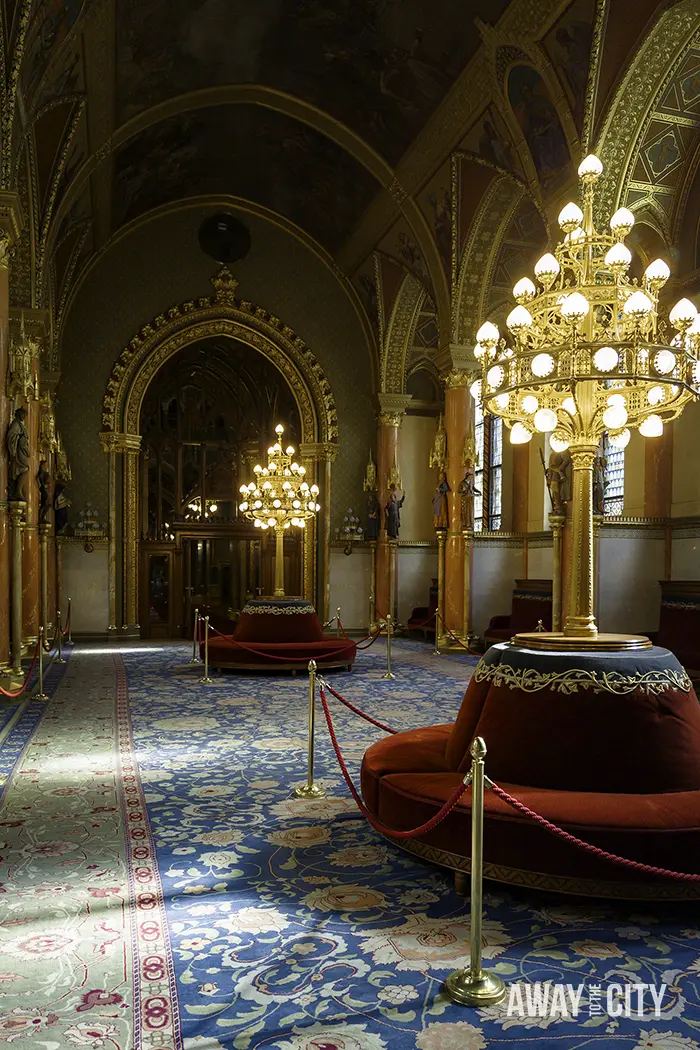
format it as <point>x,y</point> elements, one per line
<point>310,789</point>
<point>195,658</point>
<point>473,986</point>
<point>70,624</point>
<point>373,586</point>
<point>440,636</point>
<point>389,631</point>
<point>41,695</point>
<point>337,622</point>
<point>59,656</point>
<point>206,680</point>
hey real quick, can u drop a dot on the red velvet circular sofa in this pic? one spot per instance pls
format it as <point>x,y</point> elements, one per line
<point>278,634</point>
<point>606,746</point>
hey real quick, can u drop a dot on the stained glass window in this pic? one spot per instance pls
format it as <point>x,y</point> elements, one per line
<point>614,477</point>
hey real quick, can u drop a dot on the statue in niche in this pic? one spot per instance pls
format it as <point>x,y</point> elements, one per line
<point>468,490</point>
<point>17,442</point>
<point>440,509</point>
<point>61,503</point>
<point>599,484</point>
<point>44,482</point>
<point>558,476</point>
<point>393,512</point>
<point>373,509</point>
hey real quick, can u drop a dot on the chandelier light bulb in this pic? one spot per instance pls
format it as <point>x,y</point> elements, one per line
<point>257,468</point>
<point>683,314</point>
<point>495,376</point>
<point>558,444</point>
<point>606,359</point>
<point>590,168</point>
<point>290,450</point>
<point>638,305</point>
<point>276,503</point>
<point>657,273</point>
<point>547,269</point>
<point>529,404</point>
<point>542,365</point>
<point>520,434</point>
<point>621,439</point>
<point>574,307</point>
<point>569,405</point>
<point>615,417</point>
<point>258,504</point>
<point>256,523</point>
<point>304,487</point>
<point>296,504</point>
<point>314,489</point>
<point>524,290</point>
<point>545,420</point>
<point>664,362</point>
<point>488,334</point>
<point>656,395</point>
<point>570,217</point>
<point>617,399</point>
<point>243,506</point>
<point>271,522</point>
<point>622,222</point>
<point>618,257</point>
<point>271,450</point>
<point>279,429</point>
<point>243,490</point>
<point>479,351</point>
<point>651,427</point>
<point>503,400</point>
<point>475,390</point>
<point>519,319</point>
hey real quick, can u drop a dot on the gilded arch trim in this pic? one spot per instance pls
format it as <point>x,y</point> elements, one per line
<point>402,323</point>
<point>220,315</point>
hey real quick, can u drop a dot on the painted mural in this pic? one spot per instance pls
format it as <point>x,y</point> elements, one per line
<point>379,66</point>
<point>50,23</point>
<point>540,124</point>
<point>292,169</point>
<point>568,45</point>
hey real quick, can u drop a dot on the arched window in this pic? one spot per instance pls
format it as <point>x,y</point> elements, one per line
<point>614,477</point>
<point>488,475</point>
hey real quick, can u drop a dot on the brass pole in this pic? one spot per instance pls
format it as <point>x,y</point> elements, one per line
<point>310,789</point>
<point>473,986</point>
<point>59,657</point>
<point>580,621</point>
<point>467,536</point>
<point>206,680</point>
<point>279,561</point>
<point>44,549</point>
<point>337,622</point>
<point>557,523</point>
<point>440,637</point>
<point>195,658</point>
<point>41,695</point>
<point>70,624</point>
<point>16,511</point>
<point>373,586</point>
<point>389,631</point>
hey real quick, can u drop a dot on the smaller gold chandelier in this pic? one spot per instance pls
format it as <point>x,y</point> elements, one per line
<point>279,498</point>
<point>587,353</point>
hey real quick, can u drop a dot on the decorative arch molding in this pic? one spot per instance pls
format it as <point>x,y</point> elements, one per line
<point>495,212</point>
<point>157,343</point>
<point>399,334</point>
<point>639,93</point>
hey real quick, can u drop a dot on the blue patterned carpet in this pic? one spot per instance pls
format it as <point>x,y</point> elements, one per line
<point>295,927</point>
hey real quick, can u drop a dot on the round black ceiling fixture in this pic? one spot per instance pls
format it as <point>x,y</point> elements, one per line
<point>224,238</point>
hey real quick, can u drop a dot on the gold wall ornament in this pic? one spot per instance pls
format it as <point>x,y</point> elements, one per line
<point>588,354</point>
<point>23,353</point>
<point>48,442</point>
<point>438,454</point>
<point>469,451</point>
<point>394,479</point>
<point>225,285</point>
<point>370,482</point>
<point>5,250</point>
<point>399,335</point>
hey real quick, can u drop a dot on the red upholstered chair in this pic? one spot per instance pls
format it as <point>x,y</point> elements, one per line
<point>679,621</point>
<point>423,617</point>
<point>606,746</point>
<point>532,602</point>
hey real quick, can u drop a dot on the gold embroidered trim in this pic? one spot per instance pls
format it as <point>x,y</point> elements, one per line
<point>676,603</point>
<point>278,610</point>
<point>531,681</point>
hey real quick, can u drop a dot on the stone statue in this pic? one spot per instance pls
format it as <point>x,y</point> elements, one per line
<point>558,479</point>
<point>599,484</point>
<point>17,441</point>
<point>60,507</point>
<point>393,512</point>
<point>44,481</point>
<point>440,516</point>
<point>438,456</point>
<point>467,490</point>
<point>372,530</point>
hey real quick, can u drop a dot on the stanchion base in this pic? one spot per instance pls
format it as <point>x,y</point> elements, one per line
<point>41,696</point>
<point>310,791</point>
<point>461,987</point>
<point>69,642</point>
<point>193,661</point>
<point>388,674</point>
<point>206,681</point>
<point>59,660</point>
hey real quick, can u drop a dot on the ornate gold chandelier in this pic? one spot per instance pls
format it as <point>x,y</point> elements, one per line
<point>279,498</point>
<point>587,353</point>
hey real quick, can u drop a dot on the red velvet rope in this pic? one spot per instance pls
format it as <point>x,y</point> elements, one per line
<point>357,711</point>
<point>285,659</point>
<point>373,635</point>
<point>454,636</point>
<point>4,692</point>
<point>635,865</point>
<point>377,825</point>
<point>67,627</point>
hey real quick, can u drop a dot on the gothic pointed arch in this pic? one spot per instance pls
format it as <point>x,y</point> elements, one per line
<point>399,334</point>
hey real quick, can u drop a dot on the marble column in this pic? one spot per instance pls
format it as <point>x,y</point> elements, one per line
<point>4,423</point>
<point>392,409</point>
<point>131,447</point>
<point>459,425</point>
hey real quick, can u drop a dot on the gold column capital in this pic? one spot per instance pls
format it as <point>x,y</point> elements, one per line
<point>17,510</point>
<point>320,450</point>
<point>11,221</point>
<point>392,408</point>
<point>457,358</point>
<point>458,378</point>
<point>115,442</point>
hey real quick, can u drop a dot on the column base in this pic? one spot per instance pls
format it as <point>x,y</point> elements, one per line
<point>131,630</point>
<point>557,640</point>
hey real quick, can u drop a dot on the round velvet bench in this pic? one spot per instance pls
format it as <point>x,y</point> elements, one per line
<point>605,745</point>
<point>278,634</point>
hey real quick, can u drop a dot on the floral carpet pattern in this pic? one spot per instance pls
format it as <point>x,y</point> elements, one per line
<point>163,890</point>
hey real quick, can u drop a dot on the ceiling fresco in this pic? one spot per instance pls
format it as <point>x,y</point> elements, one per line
<point>292,169</point>
<point>50,23</point>
<point>379,66</point>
